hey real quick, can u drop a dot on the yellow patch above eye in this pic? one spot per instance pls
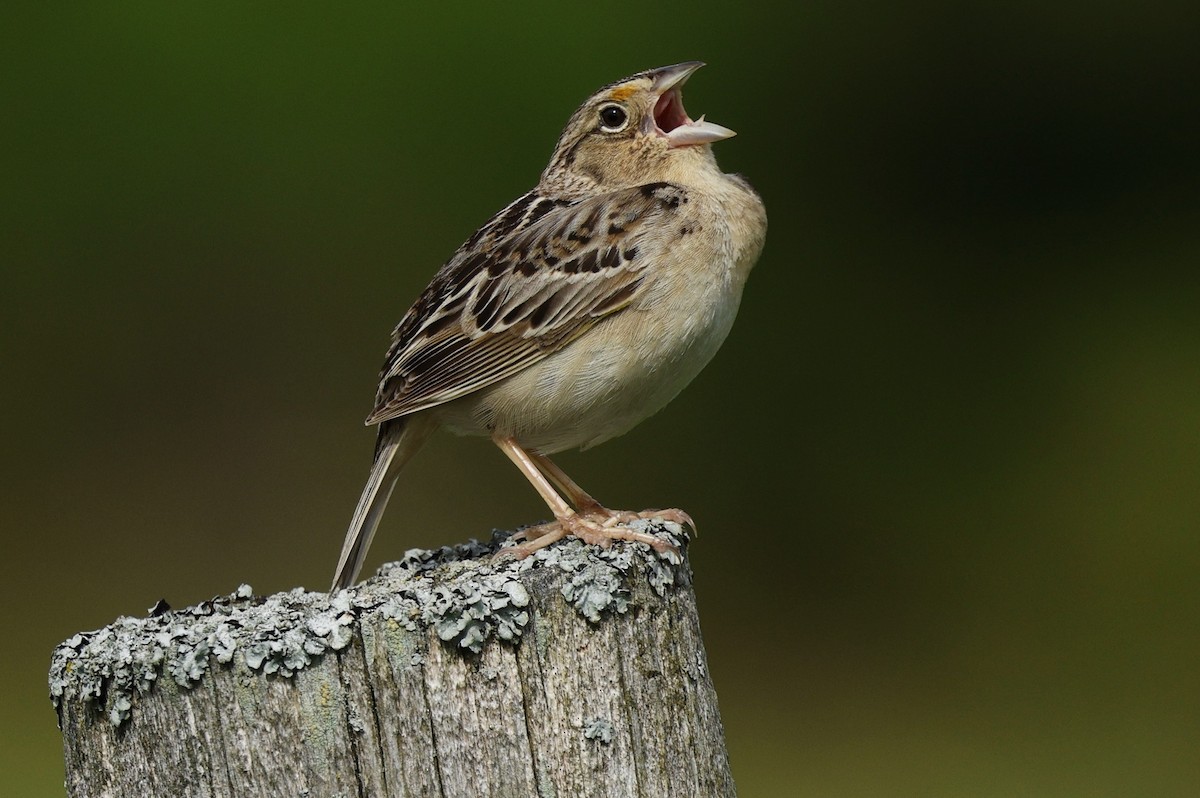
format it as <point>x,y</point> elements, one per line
<point>622,92</point>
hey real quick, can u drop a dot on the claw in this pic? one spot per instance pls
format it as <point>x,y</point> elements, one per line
<point>616,517</point>
<point>675,515</point>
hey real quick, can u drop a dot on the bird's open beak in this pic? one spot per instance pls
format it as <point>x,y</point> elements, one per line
<point>670,119</point>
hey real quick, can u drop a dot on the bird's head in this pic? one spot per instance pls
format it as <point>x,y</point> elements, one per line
<point>631,132</point>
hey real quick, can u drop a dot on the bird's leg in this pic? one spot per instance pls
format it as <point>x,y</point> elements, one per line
<point>593,510</point>
<point>587,506</point>
<point>566,520</point>
<point>542,534</point>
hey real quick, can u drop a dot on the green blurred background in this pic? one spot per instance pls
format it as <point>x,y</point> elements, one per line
<point>946,468</point>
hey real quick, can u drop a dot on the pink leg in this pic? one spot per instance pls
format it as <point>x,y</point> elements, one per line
<point>589,508</point>
<point>567,520</point>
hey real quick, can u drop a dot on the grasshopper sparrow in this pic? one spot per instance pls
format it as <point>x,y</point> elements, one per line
<point>577,311</point>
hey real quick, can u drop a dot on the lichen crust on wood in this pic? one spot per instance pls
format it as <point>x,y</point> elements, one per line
<point>577,671</point>
<point>465,594</point>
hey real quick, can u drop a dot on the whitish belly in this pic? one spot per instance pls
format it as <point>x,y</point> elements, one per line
<point>600,386</point>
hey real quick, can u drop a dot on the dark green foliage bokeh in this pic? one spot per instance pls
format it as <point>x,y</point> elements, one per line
<point>945,469</point>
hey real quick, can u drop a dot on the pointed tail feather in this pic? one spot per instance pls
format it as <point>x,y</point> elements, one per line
<point>399,440</point>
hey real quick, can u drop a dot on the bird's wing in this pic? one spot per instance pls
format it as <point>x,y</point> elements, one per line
<point>537,275</point>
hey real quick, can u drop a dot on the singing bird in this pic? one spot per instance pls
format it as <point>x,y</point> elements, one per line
<point>577,311</point>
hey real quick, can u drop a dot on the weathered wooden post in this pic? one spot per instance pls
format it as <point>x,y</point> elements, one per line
<point>576,672</point>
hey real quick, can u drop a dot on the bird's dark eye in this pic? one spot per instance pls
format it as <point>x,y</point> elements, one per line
<point>613,118</point>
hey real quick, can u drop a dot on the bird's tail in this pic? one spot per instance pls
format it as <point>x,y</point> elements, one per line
<point>399,440</point>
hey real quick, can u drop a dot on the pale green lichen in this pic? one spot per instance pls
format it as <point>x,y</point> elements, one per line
<point>600,583</point>
<point>471,610</point>
<point>596,589</point>
<point>462,592</point>
<point>599,729</point>
<point>277,635</point>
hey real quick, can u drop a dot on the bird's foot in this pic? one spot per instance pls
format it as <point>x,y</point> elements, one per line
<point>596,526</point>
<point>609,518</point>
